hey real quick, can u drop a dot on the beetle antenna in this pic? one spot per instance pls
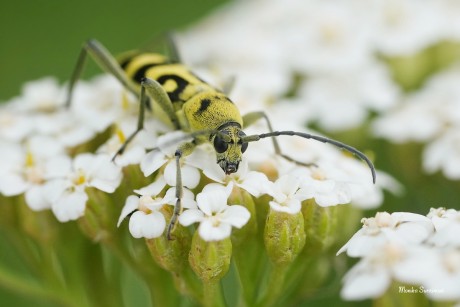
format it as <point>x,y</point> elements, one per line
<point>257,137</point>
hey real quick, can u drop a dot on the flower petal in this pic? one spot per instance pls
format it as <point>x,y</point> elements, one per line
<point>211,202</point>
<point>191,216</point>
<point>152,162</point>
<point>365,284</point>
<point>131,204</point>
<point>152,189</point>
<point>236,216</point>
<point>35,198</point>
<point>70,206</point>
<point>209,232</point>
<point>147,226</point>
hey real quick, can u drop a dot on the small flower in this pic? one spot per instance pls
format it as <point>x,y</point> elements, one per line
<point>165,155</point>
<point>255,183</point>
<point>26,169</point>
<point>437,270</point>
<point>135,151</point>
<point>286,195</point>
<point>443,273</point>
<point>352,94</point>
<point>443,154</point>
<point>406,27</point>
<point>447,226</point>
<point>324,185</point>
<point>147,221</point>
<point>67,193</point>
<point>372,275</point>
<point>216,218</point>
<point>398,227</point>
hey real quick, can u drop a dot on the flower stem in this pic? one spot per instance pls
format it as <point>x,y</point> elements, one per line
<point>213,296</point>
<point>275,285</point>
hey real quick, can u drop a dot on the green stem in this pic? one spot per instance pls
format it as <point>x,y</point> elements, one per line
<point>275,285</point>
<point>250,262</point>
<point>213,296</point>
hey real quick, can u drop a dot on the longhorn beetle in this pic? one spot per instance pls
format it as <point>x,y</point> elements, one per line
<point>191,105</point>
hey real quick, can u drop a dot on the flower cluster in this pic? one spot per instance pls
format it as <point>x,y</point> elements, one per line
<point>409,249</point>
<point>335,47</point>
<point>55,163</point>
<point>343,62</point>
<point>63,160</point>
<point>429,115</point>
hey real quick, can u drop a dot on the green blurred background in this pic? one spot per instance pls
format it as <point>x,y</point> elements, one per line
<point>42,37</point>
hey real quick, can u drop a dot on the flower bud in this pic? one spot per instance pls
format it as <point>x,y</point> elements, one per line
<point>242,197</point>
<point>99,220</point>
<point>284,236</point>
<point>171,255</point>
<point>210,260</point>
<point>320,226</point>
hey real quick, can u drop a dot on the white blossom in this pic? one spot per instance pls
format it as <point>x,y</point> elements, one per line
<point>136,149</point>
<point>165,155</point>
<point>26,169</point>
<point>255,183</point>
<point>286,195</point>
<point>216,218</point>
<point>373,274</point>
<point>67,193</point>
<point>146,220</point>
<point>447,226</point>
<point>398,227</point>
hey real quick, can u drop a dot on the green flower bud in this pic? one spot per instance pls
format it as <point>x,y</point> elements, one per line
<point>100,216</point>
<point>243,198</point>
<point>210,260</point>
<point>284,236</point>
<point>171,255</point>
<point>320,226</point>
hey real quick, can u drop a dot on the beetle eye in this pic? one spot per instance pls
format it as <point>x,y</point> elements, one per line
<point>219,144</point>
<point>244,146</point>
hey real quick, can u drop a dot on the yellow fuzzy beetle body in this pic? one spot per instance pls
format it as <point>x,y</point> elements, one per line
<point>198,105</point>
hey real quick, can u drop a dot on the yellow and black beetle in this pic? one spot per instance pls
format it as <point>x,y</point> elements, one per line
<point>191,105</point>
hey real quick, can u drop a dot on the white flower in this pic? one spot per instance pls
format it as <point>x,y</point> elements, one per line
<point>406,27</point>
<point>436,270</point>
<point>430,115</point>
<point>26,169</point>
<point>67,194</point>
<point>351,94</point>
<point>414,120</point>
<point>443,154</point>
<point>40,96</point>
<point>135,151</point>
<point>286,195</point>
<point>398,227</point>
<point>372,275</point>
<point>442,274</point>
<point>147,221</point>
<point>216,218</point>
<point>13,126</point>
<point>255,183</point>
<point>333,37</point>
<point>323,184</point>
<point>447,226</point>
<point>165,156</point>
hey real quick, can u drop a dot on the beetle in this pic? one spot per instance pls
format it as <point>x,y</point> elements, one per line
<point>165,85</point>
